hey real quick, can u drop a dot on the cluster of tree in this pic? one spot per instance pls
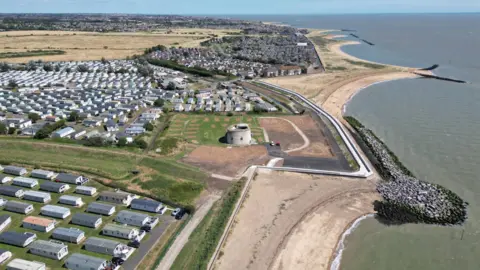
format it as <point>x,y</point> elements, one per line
<point>155,48</point>
<point>82,68</point>
<point>47,130</point>
<point>148,126</point>
<point>34,117</point>
<point>73,117</point>
<point>159,103</point>
<point>4,67</point>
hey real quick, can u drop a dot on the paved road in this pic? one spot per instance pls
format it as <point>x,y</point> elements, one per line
<point>182,238</point>
<point>145,246</point>
<point>364,170</point>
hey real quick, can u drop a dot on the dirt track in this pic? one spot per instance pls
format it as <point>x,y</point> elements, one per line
<point>293,221</point>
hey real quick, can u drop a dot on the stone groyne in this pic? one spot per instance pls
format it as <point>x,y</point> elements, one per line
<point>407,199</point>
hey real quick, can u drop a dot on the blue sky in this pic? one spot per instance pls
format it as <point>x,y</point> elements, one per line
<point>238,6</point>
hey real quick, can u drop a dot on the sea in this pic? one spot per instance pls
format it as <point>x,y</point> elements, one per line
<point>432,126</point>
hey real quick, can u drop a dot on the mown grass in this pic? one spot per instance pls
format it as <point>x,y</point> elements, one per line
<point>164,179</point>
<point>204,239</point>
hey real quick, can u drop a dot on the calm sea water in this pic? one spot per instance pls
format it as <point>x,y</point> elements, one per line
<point>433,127</point>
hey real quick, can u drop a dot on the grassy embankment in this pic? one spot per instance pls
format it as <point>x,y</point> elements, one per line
<point>204,240</point>
<point>30,53</point>
<point>163,179</point>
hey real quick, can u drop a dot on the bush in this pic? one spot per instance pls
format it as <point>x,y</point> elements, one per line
<point>47,130</point>
<point>11,130</point>
<point>148,126</point>
<point>3,128</point>
<point>122,142</point>
<point>95,142</point>
<point>140,143</point>
<point>159,102</point>
<point>229,114</point>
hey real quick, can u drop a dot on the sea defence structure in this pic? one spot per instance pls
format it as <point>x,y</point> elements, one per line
<point>364,168</point>
<point>239,134</point>
<point>407,199</point>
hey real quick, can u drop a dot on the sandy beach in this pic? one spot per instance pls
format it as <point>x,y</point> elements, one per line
<point>294,221</point>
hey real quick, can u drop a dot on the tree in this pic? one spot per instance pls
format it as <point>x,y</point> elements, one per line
<point>103,59</point>
<point>11,130</point>
<point>4,67</point>
<point>34,117</point>
<point>68,70</point>
<point>148,126</point>
<point>82,68</point>
<point>3,128</point>
<point>229,114</point>
<point>48,67</point>
<point>140,143</point>
<point>73,117</point>
<point>12,83</point>
<point>57,68</point>
<point>159,102</point>
<point>122,142</point>
<point>95,142</point>
<point>110,70</point>
<point>171,86</point>
<point>196,92</point>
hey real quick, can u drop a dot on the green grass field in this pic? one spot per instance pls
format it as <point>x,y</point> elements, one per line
<point>209,129</point>
<point>19,252</point>
<point>160,178</point>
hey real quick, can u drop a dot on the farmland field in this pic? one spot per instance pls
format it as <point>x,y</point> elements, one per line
<point>163,179</point>
<point>93,46</point>
<point>209,129</point>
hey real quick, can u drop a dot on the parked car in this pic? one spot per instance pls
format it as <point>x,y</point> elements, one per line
<point>180,214</point>
<point>117,261</point>
<point>146,228</point>
<point>175,212</point>
<point>134,244</point>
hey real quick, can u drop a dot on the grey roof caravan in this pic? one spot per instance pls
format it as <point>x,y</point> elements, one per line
<point>15,170</point>
<point>120,231</point>
<point>69,178</point>
<point>55,211</point>
<point>19,207</point>
<point>101,208</point>
<point>11,191</point>
<point>21,264</point>
<point>72,235</point>
<point>17,239</point>
<point>70,200</point>
<point>50,249</point>
<point>146,205</point>
<point>79,261</point>
<point>54,187</point>
<point>37,196</point>
<point>88,220</point>
<point>25,182</point>
<point>85,190</point>
<point>42,174</point>
<point>132,218</point>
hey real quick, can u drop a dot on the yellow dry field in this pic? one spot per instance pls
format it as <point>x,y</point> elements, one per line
<point>93,46</point>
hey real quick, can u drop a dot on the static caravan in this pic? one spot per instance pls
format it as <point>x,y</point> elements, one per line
<point>39,224</point>
<point>19,207</point>
<point>21,264</point>
<point>37,196</point>
<point>72,235</point>
<point>54,187</point>
<point>101,208</point>
<point>116,197</point>
<point>11,191</point>
<point>79,261</point>
<point>69,178</point>
<point>85,190</point>
<point>146,205</point>
<point>120,231</point>
<point>105,246</point>
<point>88,220</point>
<point>25,182</point>
<point>5,220</point>
<point>51,249</point>
<point>17,239</point>
<point>43,174</point>
<point>5,178</point>
<point>55,211</point>
<point>5,255</point>
<point>70,200</point>
<point>15,170</point>
<point>132,218</point>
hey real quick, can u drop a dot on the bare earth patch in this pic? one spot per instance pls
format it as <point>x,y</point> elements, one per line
<point>294,221</point>
<point>282,131</point>
<point>226,161</point>
<point>319,146</point>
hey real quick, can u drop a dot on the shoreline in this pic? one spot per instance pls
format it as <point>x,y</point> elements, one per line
<point>336,258</point>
